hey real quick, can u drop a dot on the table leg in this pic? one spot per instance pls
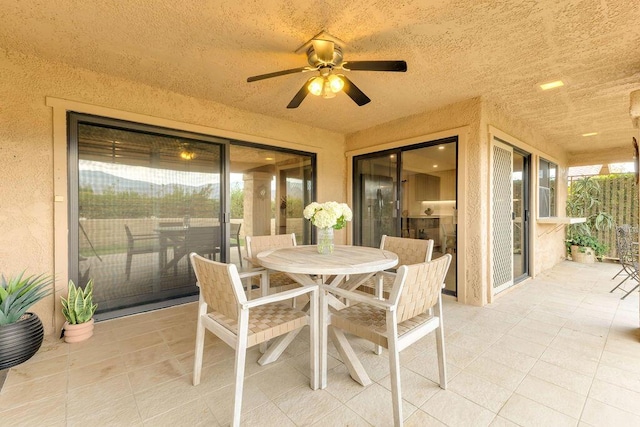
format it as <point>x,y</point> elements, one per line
<point>349,357</point>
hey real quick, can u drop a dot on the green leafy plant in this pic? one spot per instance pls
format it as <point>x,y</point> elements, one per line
<point>18,294</point>
<point>584,202</point>
<point>79,307</point>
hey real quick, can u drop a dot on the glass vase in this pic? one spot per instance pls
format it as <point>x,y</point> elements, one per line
<point>325,240</point>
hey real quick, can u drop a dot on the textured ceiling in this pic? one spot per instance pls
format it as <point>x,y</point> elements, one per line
<point>455,50</point>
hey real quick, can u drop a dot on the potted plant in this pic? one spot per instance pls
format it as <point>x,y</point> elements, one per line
<point>78,309</point>
<point>21,332</point>
<point>584,202</point>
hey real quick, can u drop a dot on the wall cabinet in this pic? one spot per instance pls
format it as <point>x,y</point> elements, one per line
<point>427,187</point>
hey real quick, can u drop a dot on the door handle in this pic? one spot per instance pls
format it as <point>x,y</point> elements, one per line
<point>513,216</point>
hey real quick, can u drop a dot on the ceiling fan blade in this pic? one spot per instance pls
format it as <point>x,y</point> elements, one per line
<point>278,73</point>
<point>400,66</point>
<point>354,92</point>
<point>323,49</point>
<point>300,96</point>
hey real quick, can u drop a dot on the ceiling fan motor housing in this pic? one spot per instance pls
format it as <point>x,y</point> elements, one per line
<point>315,61</point>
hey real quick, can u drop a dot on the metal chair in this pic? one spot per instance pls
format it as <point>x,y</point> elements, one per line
<point>627,249</point>
<point>224,310</point>
<point>413,310</point>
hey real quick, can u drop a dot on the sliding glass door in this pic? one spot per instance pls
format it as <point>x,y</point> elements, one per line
<point>141,198</point>
<point>409,192</point>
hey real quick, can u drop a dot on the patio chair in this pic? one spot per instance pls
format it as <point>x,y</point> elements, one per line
<point>276,281</point>
<point>627,249</point>
<point>139,244</point>
<point>409,251</point>
<point>224,310</point>
<point>234,240</point>
<point>413,310</point>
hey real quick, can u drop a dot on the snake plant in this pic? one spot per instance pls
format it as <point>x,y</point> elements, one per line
<point>19,293</point>
<point>78,307</point>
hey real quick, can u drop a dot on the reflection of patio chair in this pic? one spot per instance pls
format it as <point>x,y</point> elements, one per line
<point>413,310</point>
<point>223,309</point>
<point>234,240</point>
<point>139,244</point>
<point>448,231</point>
<point>627,248</point>
<point>256,244</point>
<point>86,236</point>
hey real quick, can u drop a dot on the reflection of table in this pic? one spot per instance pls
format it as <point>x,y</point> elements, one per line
<point>204,240</point>
<point>169,237</point>
<point>347,267</point>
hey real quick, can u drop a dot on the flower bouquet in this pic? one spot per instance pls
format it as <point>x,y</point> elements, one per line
<point>327,217</point>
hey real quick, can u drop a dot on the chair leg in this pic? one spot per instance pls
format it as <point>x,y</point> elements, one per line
<point>324,319</point>
<point>618,285</point>
<point>314,339</point>
<point>197,364</point>
<point>239,254</point>
<point>634,288</point>
<point>394,368</point>
<point>377,349</point>
<point>442,362</point>
<point>241,355</point>
<point>618,273</point>
<point>128,267</point>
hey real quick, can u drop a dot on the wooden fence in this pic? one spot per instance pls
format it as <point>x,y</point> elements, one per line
<point>619,197</point>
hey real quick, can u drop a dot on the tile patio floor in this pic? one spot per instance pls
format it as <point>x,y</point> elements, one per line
<point>558,350</point>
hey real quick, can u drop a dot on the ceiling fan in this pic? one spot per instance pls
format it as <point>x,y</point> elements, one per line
<point>325,57</point>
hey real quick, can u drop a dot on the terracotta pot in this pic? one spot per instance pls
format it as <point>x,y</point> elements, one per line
<point>21,340</point>
<point>583,254</point>
<point>77,333</point>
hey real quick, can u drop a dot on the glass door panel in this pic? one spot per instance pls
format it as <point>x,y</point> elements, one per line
<point>144,202</point>
<point>429,182</point>
<point>376,203</point>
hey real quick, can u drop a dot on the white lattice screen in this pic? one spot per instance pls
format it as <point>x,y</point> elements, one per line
<point>502,197</point>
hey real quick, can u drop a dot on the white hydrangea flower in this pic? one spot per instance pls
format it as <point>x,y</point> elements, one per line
<point>328,214</point>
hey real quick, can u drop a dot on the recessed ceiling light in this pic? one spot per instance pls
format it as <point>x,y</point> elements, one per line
<point>393,156</point>
<point>268,158</point>
<point>441,147</point>
<point>435,166</point>
<point>590,134</point>
<point>551,85</point>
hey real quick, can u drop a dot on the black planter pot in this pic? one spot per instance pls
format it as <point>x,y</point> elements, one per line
<point>19,341</point>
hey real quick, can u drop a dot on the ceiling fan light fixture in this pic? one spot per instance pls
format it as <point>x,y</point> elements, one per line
<point>316,85</point>
<point>187,154</point>
<point>335,83</point>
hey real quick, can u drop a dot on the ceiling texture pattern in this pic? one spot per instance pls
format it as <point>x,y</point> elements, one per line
<point>455,50</point>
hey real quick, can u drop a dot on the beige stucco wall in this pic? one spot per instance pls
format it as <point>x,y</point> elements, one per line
<point>478,116</point>
<point>472,179</point>
<point>27,149</point>
<point>547,240</point>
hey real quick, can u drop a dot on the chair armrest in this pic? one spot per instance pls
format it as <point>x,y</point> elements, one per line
<point>358,297</point>
<point>252,273</point>
<point>144,236</point>
<point>280,296</point>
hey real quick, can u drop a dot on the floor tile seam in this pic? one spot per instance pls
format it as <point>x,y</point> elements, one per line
<point>577,420</point>
<point>459,395</point>
<point>171,409</point>
<point>497,385</point>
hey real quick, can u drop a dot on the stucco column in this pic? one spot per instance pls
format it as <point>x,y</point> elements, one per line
<point>257,203</point>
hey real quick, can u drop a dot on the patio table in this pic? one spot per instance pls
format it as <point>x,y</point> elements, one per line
<point>347,267</point>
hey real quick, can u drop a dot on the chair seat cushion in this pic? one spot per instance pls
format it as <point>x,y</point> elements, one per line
<point>369,322</point>
<point>266,322</point>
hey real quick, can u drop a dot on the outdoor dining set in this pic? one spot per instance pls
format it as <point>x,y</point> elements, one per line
<point>389,296</point>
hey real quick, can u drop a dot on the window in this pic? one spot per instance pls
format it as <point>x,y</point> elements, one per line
<point>547,184</point>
